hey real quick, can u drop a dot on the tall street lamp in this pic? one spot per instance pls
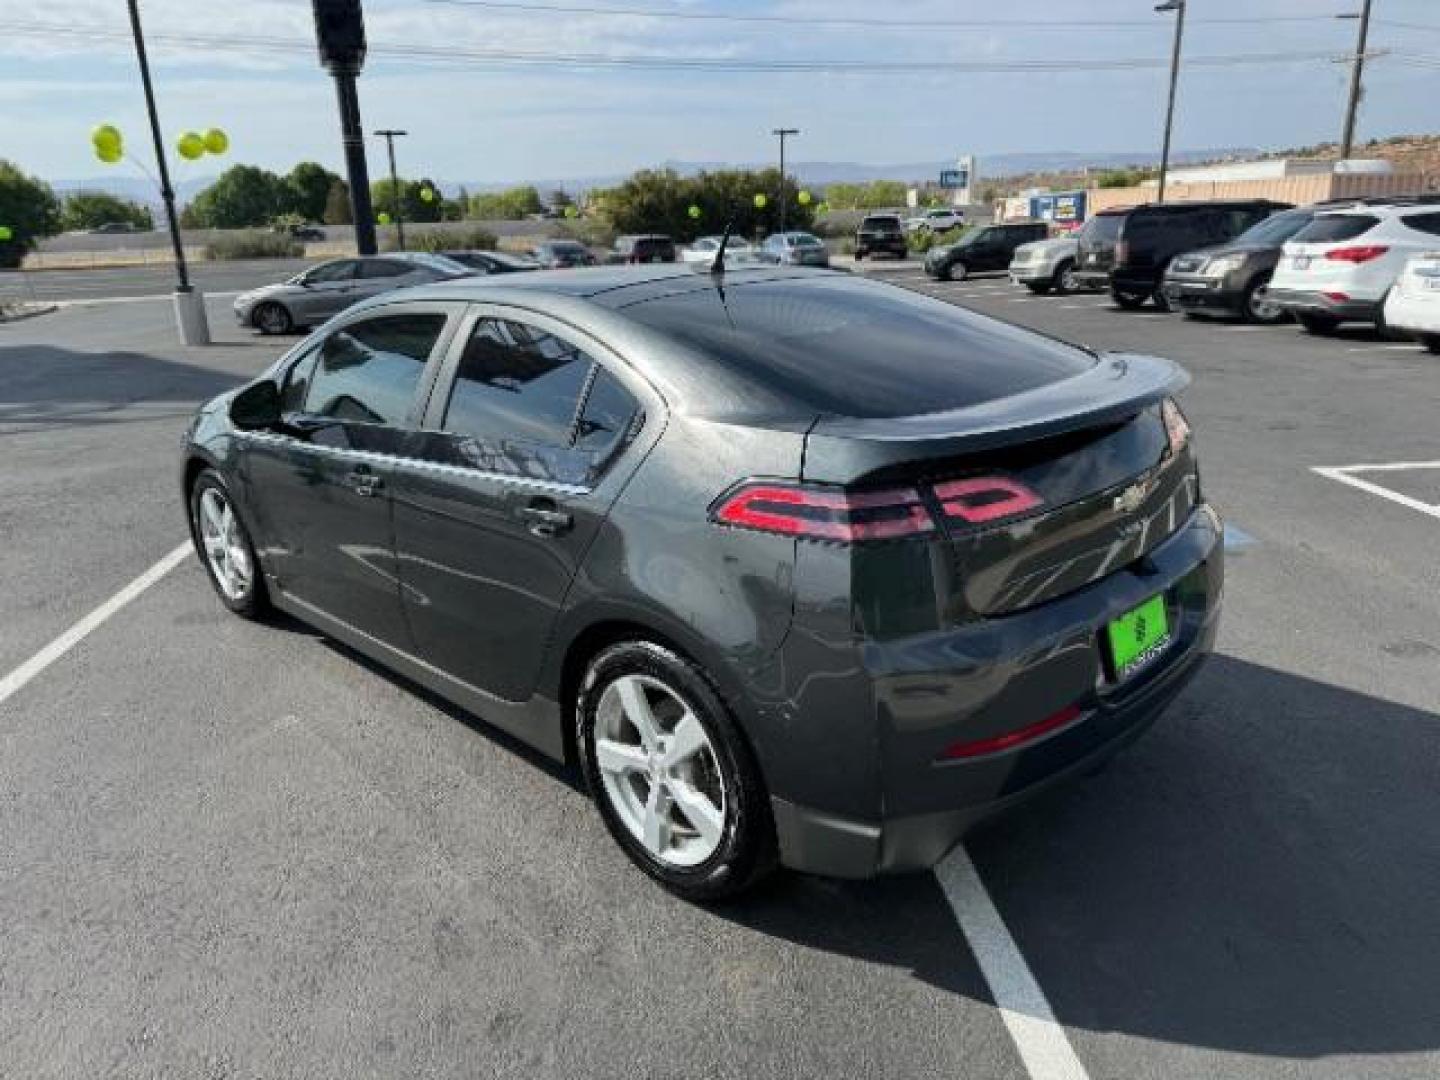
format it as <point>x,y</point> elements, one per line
<point>1177,6</point>
<point>1357,71</point>
<point>340,38</point>
<point>390,135</point>
<point>782,133</point>
<point>189,304</point>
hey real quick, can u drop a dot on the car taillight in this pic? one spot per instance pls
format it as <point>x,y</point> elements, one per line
<point>1357,255</point>
<point>958,751</point>
<point>978,500</point>
<point>826,514</point>
<point>1177,428</point>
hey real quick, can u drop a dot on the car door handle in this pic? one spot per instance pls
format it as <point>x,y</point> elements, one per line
<point>543,519</point>
<point>363,482</point>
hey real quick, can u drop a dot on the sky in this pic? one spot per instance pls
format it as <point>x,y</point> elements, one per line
<point>249,67</point>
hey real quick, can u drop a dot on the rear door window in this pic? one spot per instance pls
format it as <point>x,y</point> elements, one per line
<point>1332,228</point>
<point>384,268</point>
<point>517,383</point>
<point>340,270</point>
<point>368,371</point>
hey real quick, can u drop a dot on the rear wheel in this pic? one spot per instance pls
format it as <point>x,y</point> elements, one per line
<point>1162,302</point>
<point>673,778</point>
<point>1431,342</point>
<point>1128,300</point>
<point>1320,325</point>
<point>1257,308</point>
<point>271,318</point>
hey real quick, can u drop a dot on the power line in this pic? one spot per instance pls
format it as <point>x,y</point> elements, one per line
<point>449,54</point>
<point>522,8</point>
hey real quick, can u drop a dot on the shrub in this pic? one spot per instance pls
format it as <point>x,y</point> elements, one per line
<point>254,245</point>
<point>922,240</point>
<point>469,239</point>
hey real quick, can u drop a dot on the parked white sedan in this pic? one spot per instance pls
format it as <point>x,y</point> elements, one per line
<point>703,250</point>
<point>1413,306</point>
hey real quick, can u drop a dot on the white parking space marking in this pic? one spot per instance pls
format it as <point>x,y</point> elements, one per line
<point>13,682</point>
<point>1404,347</point>
<point>1038,1036</point>
<point>1345,475</point>
<point>89,301</point>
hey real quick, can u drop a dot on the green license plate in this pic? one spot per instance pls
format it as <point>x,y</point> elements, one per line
<point>1138,636</point>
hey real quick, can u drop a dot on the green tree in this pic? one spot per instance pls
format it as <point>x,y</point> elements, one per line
<point>412,205</point>
<point>513,205</point>
<point>91,209</point>
<point>243,197</point>
<point>28,208</point>
<point>660,201</point>
<point>307,190</point>
<point>337,205</point>
<point>875,195</point>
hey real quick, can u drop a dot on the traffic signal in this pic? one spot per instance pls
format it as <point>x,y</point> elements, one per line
<point>340,35</point>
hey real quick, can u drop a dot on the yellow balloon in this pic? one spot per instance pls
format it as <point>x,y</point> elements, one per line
<point>190,145</point>
<point>105,135</point>
<point>216,141</point>
<point>427,194</point>
<point>108,154</point>
<point>572,211</point>
<point>760,202</point>
<point>804,198</point>
<point>383,218</point>
<point>5,232</point>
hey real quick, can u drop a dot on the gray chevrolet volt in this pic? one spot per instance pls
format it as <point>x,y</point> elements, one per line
<point>797,568</point>
<point>325,290</point>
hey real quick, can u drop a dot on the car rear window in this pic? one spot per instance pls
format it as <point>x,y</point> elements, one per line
<point>860,349</point>
<point>1277,229</point>
<point>1328,228</point>
<point>1102,227</point>
<point>884,222</point>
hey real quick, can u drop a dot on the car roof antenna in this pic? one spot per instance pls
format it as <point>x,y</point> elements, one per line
<point>717,265</point>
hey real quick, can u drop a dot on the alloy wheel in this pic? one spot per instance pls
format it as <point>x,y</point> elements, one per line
<point>659,771</point>
<point>1262,309</point>
<point>1068,284</point>
<point>224,544</point>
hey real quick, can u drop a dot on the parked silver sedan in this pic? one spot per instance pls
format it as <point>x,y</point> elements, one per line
<point>311,297</point>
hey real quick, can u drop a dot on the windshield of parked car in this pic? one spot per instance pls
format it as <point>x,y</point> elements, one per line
<point>803,239</point>
<point>1327,228</point>
<point>567,247</point>
<point>1277,229</point>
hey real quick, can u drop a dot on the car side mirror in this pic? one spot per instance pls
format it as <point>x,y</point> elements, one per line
<point>257,407</point>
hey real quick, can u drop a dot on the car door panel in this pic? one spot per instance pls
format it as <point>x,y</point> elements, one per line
<point>491,531</point>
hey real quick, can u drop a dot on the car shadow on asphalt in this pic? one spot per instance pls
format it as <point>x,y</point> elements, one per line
<point>1257,875</point>
<point>53,387</point>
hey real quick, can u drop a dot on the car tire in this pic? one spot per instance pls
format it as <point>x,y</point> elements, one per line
<point>1129,301</point>
<point>1064,279</point>
<point>272,318</point>
<point>733,843</point>
<point>223,544</point>
<point>1162,302</point>
<point>1039,288</point>
<point>955,271</point>
<point>1319,325</point>
<point>859,255</point>
<point>1259,311</point>
<point>1431,342</point>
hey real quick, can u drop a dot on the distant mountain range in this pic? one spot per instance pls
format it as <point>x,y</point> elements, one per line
<point>817,173</point>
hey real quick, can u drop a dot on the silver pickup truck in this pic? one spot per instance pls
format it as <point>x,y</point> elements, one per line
<point>1044,266</point>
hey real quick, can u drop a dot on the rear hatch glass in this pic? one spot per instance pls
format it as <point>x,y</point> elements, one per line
<point>1096,247</point>
<point>1333,228</point>
<point>880,225</point>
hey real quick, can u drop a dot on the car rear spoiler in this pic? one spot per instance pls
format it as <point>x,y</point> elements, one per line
<point>841,450</point>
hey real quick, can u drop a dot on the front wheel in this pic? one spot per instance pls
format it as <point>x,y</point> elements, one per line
<point>1431,342</point>
<point>224,546</point>
<point>673,778</point>
<point>1039,288</point>
<point>1129,301</point>
<point>1258,308</point>
<point>955,271</point>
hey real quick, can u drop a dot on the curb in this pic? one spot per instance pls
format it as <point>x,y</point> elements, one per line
<point>29,312</point>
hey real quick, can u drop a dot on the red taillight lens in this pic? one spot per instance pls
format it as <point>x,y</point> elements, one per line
<point>979,747</point>
<point>1357,255</point>
<point>1337,297</point>
<point>982,499</point>
<point>824,514</point>
<point>1177,428</point>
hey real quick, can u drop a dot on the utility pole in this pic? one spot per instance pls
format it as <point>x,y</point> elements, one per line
<point>340,36</point>
<point>782,132</point>
<point>1177,6</point>
<point>1357,71</point>
<point>189,305</point>
<point>390,135</point>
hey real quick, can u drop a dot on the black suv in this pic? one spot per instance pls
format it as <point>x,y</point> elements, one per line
<point>1230,279</point>
<point>1131,253</point>
<point>645,249</point>
<point>881,233</point>
<point>987,249</point>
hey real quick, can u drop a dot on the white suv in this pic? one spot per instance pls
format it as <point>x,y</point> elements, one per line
<point>935,221</point>
<point>1340,267</point>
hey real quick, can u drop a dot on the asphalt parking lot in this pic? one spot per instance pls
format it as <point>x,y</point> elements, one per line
<point>237,850</point>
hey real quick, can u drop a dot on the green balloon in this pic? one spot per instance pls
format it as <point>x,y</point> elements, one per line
<point>572,211</point>
<point>216,141</point>
<point>109,154</point>
<point>694,212</point>
<point>804,198</point>
<point>760,202</point>
<point>382,218</point>
<point>5,232</point>
<point>190,145</point>
<point>105,136</point>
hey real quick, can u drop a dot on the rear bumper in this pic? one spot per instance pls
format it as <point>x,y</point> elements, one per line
<point>1093,279</point>
<point>1191,292</point>
<point>1025,667</point>
<point>1311,302</point>
<point>1416,314</point>
<point>888,245</point>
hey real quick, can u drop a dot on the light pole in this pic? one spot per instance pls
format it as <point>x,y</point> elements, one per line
<point>340,39</point>
<point>189,305</point>
<point>1357,70</point>
<point>1177,6</point>
<point>390,135</point>
<point>782,133</point>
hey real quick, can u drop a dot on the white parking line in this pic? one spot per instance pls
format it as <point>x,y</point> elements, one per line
<point>1343,474</point>
<point>1038,1036</point>
<point>89,301</point>
<point>1406,347</point>
<point>13,682</point>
